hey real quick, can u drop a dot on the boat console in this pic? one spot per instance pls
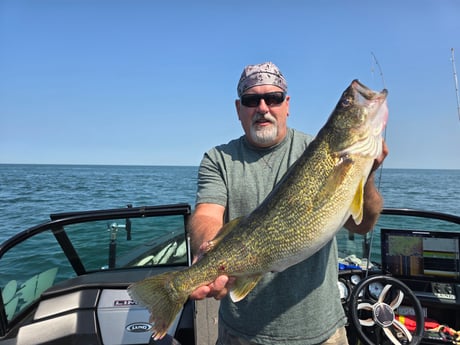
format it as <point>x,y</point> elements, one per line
<point>421,251</point>
<point>427,261</point>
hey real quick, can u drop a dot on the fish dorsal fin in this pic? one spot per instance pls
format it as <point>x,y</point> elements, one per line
<point>356,207</point>
<point>243,286</point>
<point>224,231</point>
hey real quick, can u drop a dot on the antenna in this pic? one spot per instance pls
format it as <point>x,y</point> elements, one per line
<point>455,82</point>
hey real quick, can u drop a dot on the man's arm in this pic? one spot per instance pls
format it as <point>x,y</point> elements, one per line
<point>205,223</point>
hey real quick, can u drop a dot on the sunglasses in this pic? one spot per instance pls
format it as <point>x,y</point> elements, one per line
<point>252,100</point>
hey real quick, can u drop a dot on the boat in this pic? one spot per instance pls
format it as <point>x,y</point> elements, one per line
<point>65,281</point>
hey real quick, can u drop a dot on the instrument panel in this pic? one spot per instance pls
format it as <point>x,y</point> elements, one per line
<point>348,279</point>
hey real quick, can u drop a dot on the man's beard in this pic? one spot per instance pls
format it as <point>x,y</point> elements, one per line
<point>264,135</point>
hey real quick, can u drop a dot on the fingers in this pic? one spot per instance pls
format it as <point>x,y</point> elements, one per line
<point>200,293</point>
<point>217,289</point>
<point>379,160</point>
<point>204,248</point>
<point>196,258</point>
<point>384,153</point>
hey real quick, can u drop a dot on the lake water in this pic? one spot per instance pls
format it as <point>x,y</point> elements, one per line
<point>29,193</point>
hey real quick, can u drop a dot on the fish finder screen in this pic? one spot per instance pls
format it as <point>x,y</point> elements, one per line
<point>421,254</point>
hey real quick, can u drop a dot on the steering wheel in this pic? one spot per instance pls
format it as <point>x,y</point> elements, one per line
<point>372,305</point>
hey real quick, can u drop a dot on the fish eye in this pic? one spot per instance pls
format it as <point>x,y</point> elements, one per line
<point>346,102</point>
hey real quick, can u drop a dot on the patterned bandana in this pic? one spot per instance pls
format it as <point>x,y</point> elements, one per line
<point>262,74</point>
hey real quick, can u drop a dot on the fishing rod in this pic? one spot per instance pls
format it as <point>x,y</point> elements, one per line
<point>455,82</point>
<point>368,242</point>
<point>374,60</point>
<point>385,130</point>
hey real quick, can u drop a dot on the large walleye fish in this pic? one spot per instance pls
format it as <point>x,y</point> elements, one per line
<point>302,213</point>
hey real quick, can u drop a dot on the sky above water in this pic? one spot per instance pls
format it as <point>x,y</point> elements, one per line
<point>154,82</point>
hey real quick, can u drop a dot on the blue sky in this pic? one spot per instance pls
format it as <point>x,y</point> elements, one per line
<point>154,82</point>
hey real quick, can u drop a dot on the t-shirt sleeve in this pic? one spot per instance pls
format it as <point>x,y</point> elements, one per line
<point>211,186</point>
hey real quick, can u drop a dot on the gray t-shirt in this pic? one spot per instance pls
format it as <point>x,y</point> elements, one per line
<point>300,305</point>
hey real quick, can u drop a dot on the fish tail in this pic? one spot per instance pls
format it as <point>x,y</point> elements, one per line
<point>161,298</point>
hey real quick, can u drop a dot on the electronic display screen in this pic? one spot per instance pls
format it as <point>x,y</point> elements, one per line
<point>415,254</point>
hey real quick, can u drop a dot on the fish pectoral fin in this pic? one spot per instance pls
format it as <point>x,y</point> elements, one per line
<point>243,286</point>
<point>356,208</point>
<point>226,229</point>
<point>334,180</point>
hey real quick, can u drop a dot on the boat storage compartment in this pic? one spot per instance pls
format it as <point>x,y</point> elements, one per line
<point>116,307</point>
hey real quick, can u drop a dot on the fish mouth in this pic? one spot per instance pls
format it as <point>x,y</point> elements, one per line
<point>375,102</point>
<point>367,93</point>
<point>367,138</point>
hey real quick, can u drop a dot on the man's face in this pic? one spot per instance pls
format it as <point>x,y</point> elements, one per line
<point>264,124</point>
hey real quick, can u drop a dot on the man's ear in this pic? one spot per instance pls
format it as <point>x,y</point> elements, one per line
<point>238,106</point>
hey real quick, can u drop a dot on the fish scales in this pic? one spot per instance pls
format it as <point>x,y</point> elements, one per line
<point>302,213</point>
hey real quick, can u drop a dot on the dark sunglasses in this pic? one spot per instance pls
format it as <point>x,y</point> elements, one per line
<point>252,100</point>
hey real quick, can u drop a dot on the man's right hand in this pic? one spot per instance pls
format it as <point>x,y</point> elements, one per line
<point>217,289</point>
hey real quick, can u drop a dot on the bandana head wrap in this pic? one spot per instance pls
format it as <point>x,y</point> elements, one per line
<point>262,74</point>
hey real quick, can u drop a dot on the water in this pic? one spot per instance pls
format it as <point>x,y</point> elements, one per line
<point>29,193</point>
<point>433,190</point>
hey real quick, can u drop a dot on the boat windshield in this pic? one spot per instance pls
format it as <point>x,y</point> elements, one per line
<point>76,244</point>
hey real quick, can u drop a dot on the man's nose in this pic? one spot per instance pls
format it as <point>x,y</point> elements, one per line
<point>262,107</point>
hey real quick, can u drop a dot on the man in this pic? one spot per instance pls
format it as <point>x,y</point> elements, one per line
<point>300,305</point>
